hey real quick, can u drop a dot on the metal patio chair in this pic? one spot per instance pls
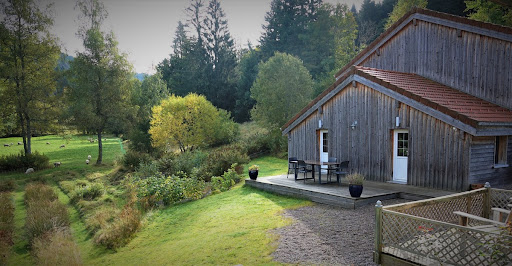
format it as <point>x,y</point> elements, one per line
<point>341,170</point>
<point>302,167</point>
<point>292,164</point>
<point>331,168</point>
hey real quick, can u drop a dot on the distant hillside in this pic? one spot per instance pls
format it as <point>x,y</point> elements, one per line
<point>65,59</point>
<point>141,76</point>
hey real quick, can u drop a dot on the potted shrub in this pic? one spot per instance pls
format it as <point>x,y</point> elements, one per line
<point>253,171</point>
<point>355,184</point>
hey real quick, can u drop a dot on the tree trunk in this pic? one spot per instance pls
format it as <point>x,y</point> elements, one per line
<point>100,149</point>
<point>23,132</point>
<point>28,132</point>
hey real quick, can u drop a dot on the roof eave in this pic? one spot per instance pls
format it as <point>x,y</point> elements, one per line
<point>417,13</point>
<point>462,23</point>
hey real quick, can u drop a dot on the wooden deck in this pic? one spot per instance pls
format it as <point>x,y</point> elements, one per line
<point>338,195</point>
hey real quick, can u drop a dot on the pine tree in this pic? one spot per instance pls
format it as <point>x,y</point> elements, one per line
<point>285,22</point>
<point>222,57</point>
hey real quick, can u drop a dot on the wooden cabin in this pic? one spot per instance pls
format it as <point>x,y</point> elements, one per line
<point>428,103</point>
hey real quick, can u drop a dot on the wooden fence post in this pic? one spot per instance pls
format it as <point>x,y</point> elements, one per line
<point>378,232</point>
<point>487,201</point>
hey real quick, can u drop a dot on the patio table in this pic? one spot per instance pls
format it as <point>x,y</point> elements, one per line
<point>314,163</point>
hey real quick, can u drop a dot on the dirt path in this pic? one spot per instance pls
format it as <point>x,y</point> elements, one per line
<point>327,235</point>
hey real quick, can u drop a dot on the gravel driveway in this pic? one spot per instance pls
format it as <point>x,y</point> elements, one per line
<point>328,235</point>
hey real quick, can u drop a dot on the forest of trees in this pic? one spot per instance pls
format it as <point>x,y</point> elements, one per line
<point>44,91</point>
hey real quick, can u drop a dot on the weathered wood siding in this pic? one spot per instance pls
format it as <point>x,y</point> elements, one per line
<point>475,64</point>
<point>481,168</point>
<point>438,154</point>
<point>302,140</point>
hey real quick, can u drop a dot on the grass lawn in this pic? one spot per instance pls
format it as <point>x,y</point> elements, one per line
<point>72,157</point>
<point>228,228</point>
<point>269,166</point>
<point>232,227</point>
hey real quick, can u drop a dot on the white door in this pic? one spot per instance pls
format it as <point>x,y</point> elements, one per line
<point>400,154</point>
<point>324,148</point>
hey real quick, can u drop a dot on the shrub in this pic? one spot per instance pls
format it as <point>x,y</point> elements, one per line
<point>56,248</point>
<point>227,180</point>
<point>19,161</point>
<point>226,131</point>
<point>132,159</point>
<point>193,188</point>
<point>7,185</point>
<point>44,216</point>
<point>265,142</point>
<point>184,162</point>
<point>6,214</point>
<point>88,192</point>
<point>146,170</point>
<point>118,233</point>
<point>167,163</point>
<point>5,251</point>
<point>219,184</point>
<point>159,189</point>
<point>39,192</point>
<point>67,186</point>
<point>101,218</point>
<point>84,206</point>
<point>6,226</point>
<point>221,159</point>
<point>116,176</point>
<point>140,139</point>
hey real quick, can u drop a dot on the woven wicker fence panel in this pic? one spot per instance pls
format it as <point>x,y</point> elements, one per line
<point>432,243</point>
<point>443,210</point>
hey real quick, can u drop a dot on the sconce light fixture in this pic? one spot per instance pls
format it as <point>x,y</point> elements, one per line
<point>353,126</point>
<point>319,123</point>
<point>397,121</point>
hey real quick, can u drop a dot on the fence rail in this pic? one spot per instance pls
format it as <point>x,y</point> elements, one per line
<point>427,232</point>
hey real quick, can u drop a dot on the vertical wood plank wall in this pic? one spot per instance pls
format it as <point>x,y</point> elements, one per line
<point>475,64</point>
<point>438,154</point>
<point>482,162</point>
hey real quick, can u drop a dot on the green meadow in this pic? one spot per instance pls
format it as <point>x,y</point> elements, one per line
<point>228,228</point>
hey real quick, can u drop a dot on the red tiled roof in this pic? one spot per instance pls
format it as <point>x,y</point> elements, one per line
<point>462,106</point>
<point>349,69</point>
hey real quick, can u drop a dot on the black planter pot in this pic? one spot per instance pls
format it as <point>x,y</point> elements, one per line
<point>355,190</point>
<point>253,174</point>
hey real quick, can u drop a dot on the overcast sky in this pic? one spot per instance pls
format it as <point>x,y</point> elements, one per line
<point>145,28</point>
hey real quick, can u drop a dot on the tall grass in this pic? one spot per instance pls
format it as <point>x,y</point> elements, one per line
<point>7,185</point>
<point>56,248</point>
<point>39,192</point>
<point>119,232</point>
<point>44,212</point>
<point>6,226</point>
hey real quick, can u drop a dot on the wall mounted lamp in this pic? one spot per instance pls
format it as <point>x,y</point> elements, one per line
<point>353,126</point>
